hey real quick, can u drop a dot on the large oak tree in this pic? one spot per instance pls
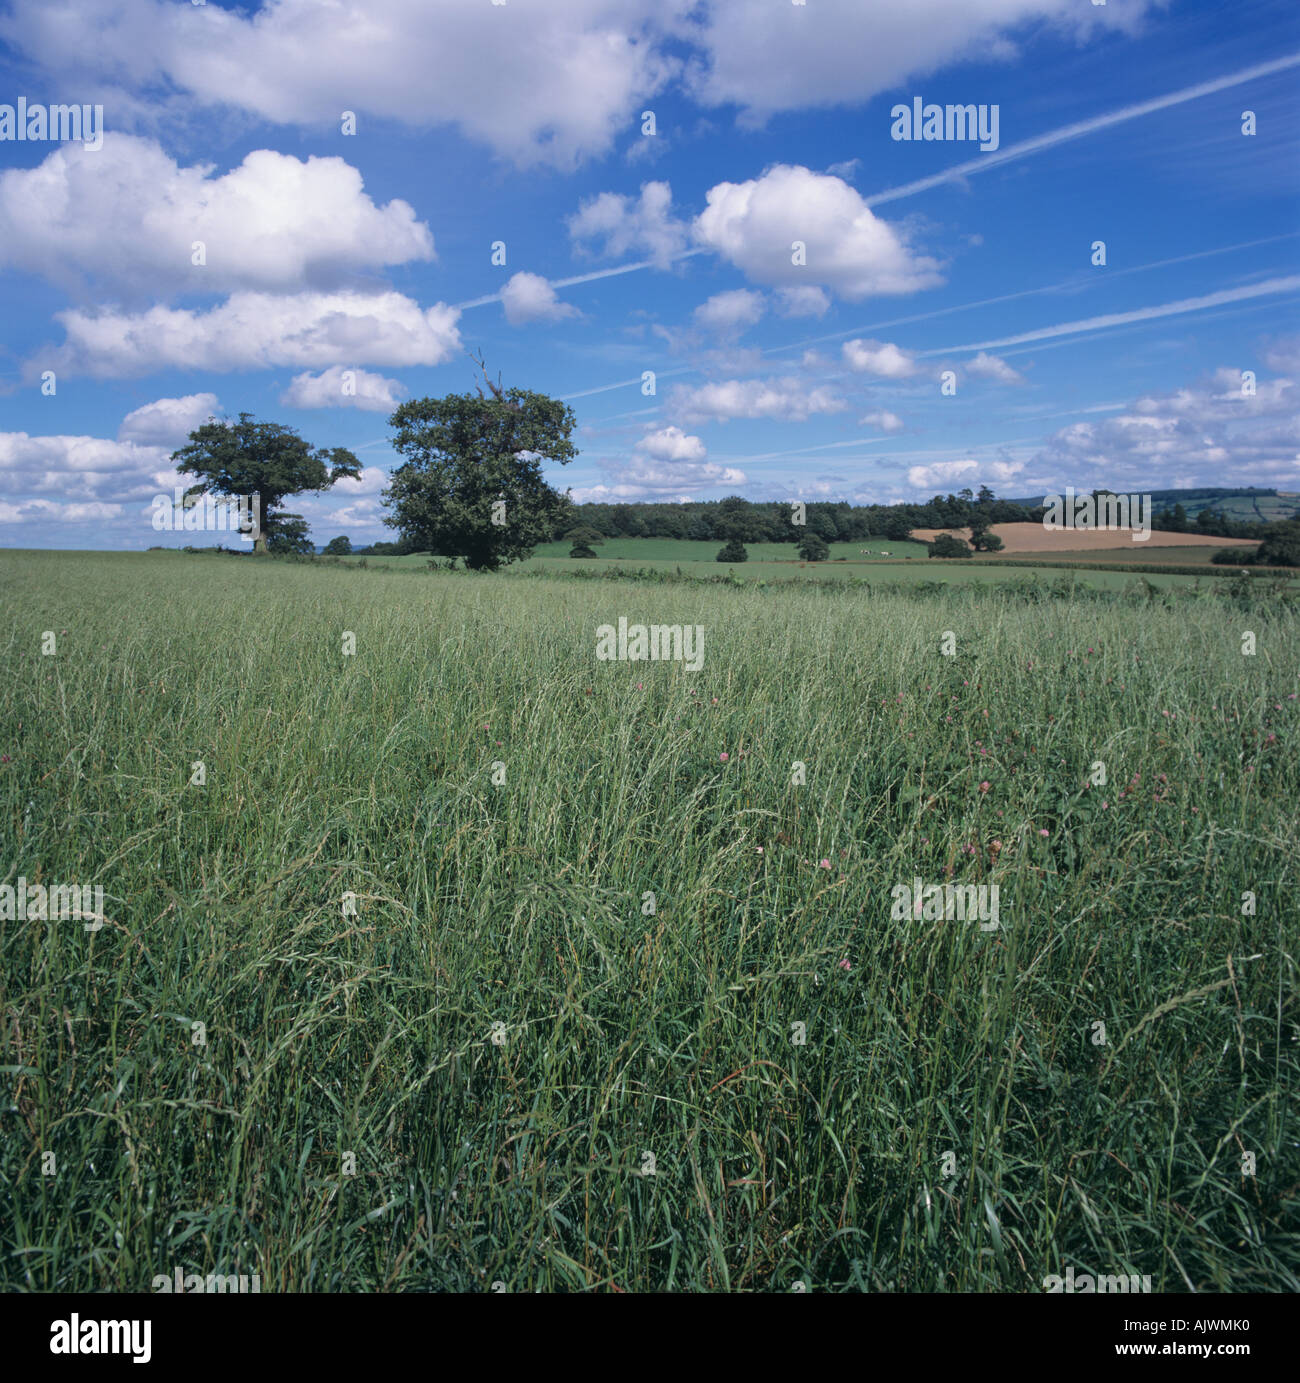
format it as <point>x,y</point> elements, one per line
<point>266,462</point>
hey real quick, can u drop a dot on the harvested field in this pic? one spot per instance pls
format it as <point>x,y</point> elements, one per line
<point>1033,537</point>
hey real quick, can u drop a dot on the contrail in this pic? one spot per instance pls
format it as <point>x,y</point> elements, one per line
<point>1082,127</point>
<point>1230,295</point>
<point>1140,314</point>
<point>624,383</point>
<point>803,451</point>
<point>589,278</point>
<point>1080,283</point>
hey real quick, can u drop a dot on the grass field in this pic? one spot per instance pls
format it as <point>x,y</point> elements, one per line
<point>557,1045</point>
<point>641,551</point>
<point>685,550</point>
<point>875,560</point>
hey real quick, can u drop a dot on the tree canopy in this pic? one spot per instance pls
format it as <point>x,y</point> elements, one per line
<point>947,545</point>
<point>812,547</point>
<point>583,535</point>
<point>734,551</point>
<point>266,462</point>
<point>471,485</point>
<point>290,533</point>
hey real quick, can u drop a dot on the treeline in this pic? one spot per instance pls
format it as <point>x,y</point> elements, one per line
<point>1280,548</point>
<point>716,520</point>
<point>737,519</point>
<point>734,517</point>
<point>1207,522</point>
<point>1214,492</point>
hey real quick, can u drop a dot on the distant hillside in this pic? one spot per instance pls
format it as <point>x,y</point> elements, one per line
<point>1244,503</point>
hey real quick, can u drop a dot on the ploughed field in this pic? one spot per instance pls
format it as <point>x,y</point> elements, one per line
<point>1033,537</point>
<point>450,954</point>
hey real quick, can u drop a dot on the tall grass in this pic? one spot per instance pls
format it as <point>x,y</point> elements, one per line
<point>517,1154</point>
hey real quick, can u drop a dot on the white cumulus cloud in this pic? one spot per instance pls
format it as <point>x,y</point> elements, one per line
<point>49,511</point>
<point>126,217</point>
<point>252,331</point>
<point>167,422</point>
<point>806,301</point>
<point>531,298</point>
<point>943,474</point>
<point>878,358</point>
<point>780,57</point>
<point>82,469</point>
<point>535,82</point>
<point>985,366</point>
<point>548,83</point>
<point>758,224</point>
<point>672,444</point>
<point>626,225</point>
<point>731,311</point>
<point>339,387</point>
<point>1193,435</point>
<point>789,400</point>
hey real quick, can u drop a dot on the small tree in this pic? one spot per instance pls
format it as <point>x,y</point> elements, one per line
<point>339,547</point>
<point>263,462</point>
<point>1281,548</point>
<point>946,545</point>
<point>584,540</point>
<point>289,533</point>
<point>584,536</point>
<point>734,552</point>
<point>471,485</point>
<point>812,547</point>
<point>982,537</point>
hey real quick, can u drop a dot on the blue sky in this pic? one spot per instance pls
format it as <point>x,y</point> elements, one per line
<point>345,272</point>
